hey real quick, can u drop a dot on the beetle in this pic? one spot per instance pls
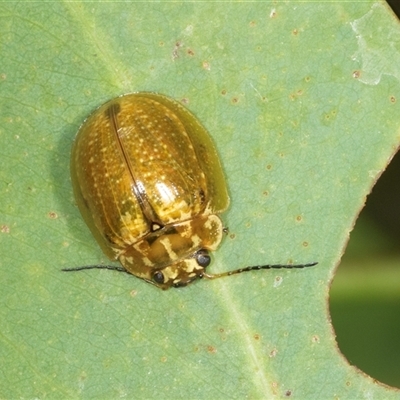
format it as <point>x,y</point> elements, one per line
<point>149,184</point>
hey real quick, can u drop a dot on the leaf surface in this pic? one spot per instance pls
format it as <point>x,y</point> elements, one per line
<point>303,103</point>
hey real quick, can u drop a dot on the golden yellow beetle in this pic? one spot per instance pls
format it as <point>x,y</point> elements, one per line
<point>149,184</point>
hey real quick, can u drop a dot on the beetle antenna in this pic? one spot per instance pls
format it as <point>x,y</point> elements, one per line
<point>110,267</point>
<point>258,267</point>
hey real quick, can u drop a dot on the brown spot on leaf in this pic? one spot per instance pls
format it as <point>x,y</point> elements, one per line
<point>175,51</point>
<point>5,229</point>
<point>315,339</point>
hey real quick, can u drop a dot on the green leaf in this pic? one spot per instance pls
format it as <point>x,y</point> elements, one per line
<point>303,103</point>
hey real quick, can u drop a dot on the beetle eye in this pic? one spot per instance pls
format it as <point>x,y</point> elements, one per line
<point>158,277</point>
<point>203,258</point>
